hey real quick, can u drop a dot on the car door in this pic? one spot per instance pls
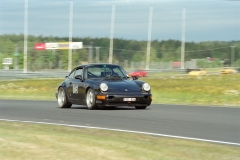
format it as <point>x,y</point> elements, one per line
<point>69,84</point>
<point>78,90</point>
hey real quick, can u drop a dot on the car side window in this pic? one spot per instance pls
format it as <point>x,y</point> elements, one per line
<point>79,72</point>
<point>71,75</point>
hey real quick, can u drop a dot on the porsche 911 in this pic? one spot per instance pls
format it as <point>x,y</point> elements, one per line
<point>103,85</point>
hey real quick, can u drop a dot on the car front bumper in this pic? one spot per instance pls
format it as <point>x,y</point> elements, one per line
<point>118,100</point>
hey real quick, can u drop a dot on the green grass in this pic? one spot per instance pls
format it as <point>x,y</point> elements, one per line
<point>197,90</point>
<point>31,141</point>
<point>166,89</point>
<point>30,89</point>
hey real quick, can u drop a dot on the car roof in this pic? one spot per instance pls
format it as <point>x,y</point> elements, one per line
<point>94,64</point>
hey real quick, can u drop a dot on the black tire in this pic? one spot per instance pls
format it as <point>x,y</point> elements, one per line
<point>90,99</point>
<point>62,99</point>
<point>140,107</point>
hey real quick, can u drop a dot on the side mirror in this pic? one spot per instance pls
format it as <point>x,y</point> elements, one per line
<point>78,77</point>
<point>134,77</point>
<point>66,76</point>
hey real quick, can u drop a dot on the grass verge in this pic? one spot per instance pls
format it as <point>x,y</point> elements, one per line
<point>29,89</point>
<point>197,90</point>
<point>168,89</point>
<point>32,141</point>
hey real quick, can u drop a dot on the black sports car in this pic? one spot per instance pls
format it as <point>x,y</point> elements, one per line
<point>102,85</point>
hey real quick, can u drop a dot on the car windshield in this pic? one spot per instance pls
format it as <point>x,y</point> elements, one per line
<point>104,70</point>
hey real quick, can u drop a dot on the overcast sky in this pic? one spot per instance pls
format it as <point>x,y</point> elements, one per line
<point>206,20</point>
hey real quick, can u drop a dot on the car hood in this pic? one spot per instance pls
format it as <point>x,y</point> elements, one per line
<point>124,85</point>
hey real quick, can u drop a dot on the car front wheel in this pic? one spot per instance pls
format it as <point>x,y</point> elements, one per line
<point>62,99</point>
<point>90,99</point>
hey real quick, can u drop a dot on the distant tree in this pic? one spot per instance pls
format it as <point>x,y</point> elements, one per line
<point>131,50</point>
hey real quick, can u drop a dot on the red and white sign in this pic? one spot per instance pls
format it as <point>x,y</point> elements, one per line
<point>59,45</point>
<point>40,46</point>
<point>51,45</point>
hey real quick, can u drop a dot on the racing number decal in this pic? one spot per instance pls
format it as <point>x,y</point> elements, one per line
<point>75,88</point>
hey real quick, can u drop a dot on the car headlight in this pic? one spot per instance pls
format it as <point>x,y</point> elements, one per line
<point>104,87</point>
<point>146,87</point>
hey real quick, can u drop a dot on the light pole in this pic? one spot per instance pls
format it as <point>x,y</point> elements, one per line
<point>70,37</point>
<point>25,37</point>
<point>183,38</point>
<point>232,55</point>
<point>149,38</point>
<point>97,54</point>
<point>111,35</point>
<point>90,56</point>
<point>16,54</point>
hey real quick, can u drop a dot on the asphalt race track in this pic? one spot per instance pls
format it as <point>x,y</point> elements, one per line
<point>216,124</point>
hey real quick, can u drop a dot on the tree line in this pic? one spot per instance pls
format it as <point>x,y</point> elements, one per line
<point>12,46</point>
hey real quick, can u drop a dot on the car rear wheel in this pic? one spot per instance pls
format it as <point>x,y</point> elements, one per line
<point>62,99</point>
<point>140,107</point>
<point>90,99</point>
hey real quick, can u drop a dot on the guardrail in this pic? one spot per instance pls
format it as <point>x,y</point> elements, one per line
<point>18,74</point>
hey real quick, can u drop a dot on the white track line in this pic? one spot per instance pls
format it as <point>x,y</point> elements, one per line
<point>128,131</point>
